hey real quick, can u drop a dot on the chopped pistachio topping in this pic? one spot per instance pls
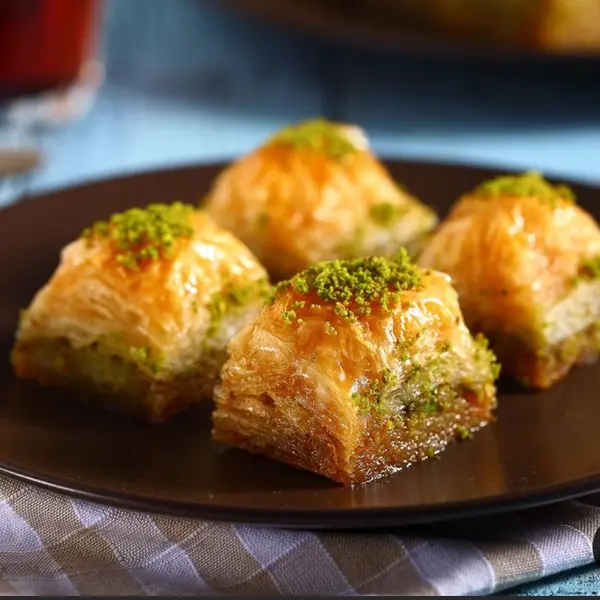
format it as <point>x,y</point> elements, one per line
<point>233,297</point>
<point>371,395</point>
<point>484,353</point>
<point>530,184</point>
<point>463,432</point>
<point>405,346</point>
<point>386,213</point>
<point>142,235</point>
<point>354,286</point>
<point>330,329</point>
<point>288,316</point>
<point>318,135</point>
<point>142,355</point>
<point>431,452</point>
<point>590,269</point>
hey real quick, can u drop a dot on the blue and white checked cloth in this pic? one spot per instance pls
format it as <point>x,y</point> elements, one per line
<point>52,545</point>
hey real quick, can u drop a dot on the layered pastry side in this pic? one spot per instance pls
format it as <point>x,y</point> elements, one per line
<point>525,260</point>
<point>356,369</point>
<point>138,312</point>
<point>316,192</point>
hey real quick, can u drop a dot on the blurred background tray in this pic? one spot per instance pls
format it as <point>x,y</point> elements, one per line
<point>538,29</point>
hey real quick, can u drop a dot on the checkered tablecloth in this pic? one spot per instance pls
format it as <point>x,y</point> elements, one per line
<point>53,545</point>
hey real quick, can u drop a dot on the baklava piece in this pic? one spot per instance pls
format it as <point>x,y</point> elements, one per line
<point>139,311</point>
<point>315,192</point>
<point>524,259</point>
<point>357,369</point>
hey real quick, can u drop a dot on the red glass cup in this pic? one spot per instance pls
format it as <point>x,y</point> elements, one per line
<point>49,72</point>
<point>45,44</point>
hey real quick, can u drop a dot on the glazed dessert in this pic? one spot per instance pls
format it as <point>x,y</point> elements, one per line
<point>356,369</point>
<point>315,192</point>
<point>137,315</point>
<point>525,260</point>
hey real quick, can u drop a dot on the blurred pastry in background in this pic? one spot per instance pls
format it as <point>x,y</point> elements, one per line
<point>138,313</point>
<point>525,260</point>
<point>315,192</point>
<point>357,368</point>
<point>551,25</point>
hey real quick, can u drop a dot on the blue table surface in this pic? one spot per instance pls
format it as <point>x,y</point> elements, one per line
<point>187,83</point>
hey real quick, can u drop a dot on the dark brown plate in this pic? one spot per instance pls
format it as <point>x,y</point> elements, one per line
<point>543,447</point>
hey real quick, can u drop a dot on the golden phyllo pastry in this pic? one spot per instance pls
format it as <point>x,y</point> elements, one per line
<point>138,313</point>
<point>356,369</point>
<point>316,192</point>
<point>525,260</point>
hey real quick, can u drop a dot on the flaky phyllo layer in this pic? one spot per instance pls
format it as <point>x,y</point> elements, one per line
<point>315,192</point>
<point>141,307</point>
<point>357,368</point>
<point>524,259</point>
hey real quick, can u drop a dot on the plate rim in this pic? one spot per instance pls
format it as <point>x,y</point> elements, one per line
<point>304,519</point>
<point>219,163</point>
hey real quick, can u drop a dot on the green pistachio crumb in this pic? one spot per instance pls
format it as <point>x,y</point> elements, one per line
<point>317,135</point>
<point>590,269</point>
<point>446,346</point>
<point>330,329</point>
<point>371,394</point>
<point>353,287</point>
<point>405,345</point>
<point>234,296</point>
<point>484,353</point>
<point>431,406</point>
<point>142,355</point>
<point>386,213</point>
<point>195,306</point>
<point>431,453</point>
<point>143,235</point>
<point>389,378</point>
<point>463,433</point>
<point>288,316</point>
<point>531,183</point>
